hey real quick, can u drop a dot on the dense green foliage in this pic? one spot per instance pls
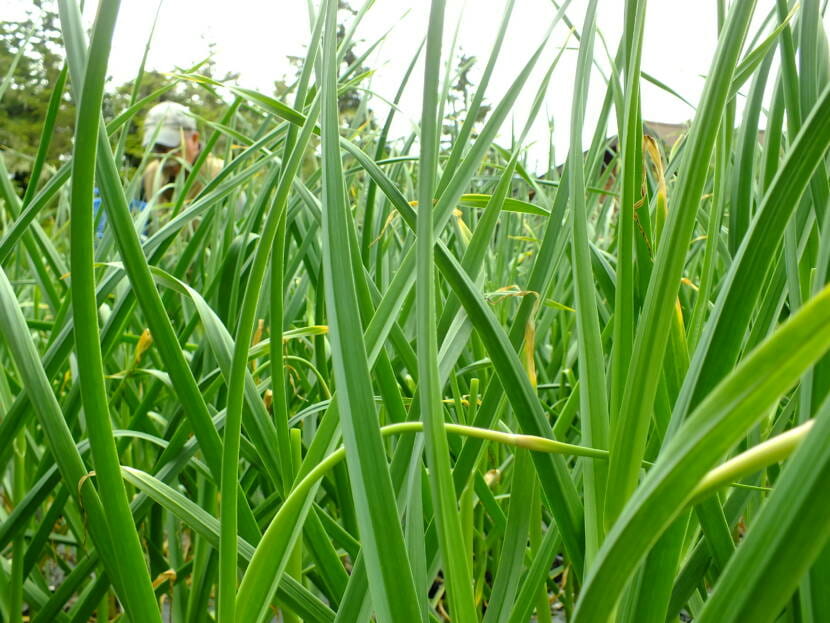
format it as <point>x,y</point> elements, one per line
<point>30,61</point>
<point>359,376</point>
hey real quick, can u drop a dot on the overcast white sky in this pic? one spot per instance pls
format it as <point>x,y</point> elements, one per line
<point>254,37</point>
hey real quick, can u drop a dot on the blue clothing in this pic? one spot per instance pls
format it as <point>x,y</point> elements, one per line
<point>136,205</point>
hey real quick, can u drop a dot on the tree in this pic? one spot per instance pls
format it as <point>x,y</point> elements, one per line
<point>25,101</point>
<point>24,105</point>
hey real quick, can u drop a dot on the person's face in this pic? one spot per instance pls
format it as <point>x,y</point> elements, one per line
<point>187,150</point>
<point>191,146</point>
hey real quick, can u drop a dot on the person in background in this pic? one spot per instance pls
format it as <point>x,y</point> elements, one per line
<point>171,130</point>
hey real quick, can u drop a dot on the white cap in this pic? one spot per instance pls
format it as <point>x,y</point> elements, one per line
<point>165,122</point>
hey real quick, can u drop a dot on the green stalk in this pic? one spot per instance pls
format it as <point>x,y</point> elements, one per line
<point>236,378</point>
<point>277,289</point>
<point>52,422</point>
<point>294,567</point>
<point>390,578</point>
<point>721,340</point>
<point>632,156</point>
<point>17,574</point>
<point>593,397</point>
<point>139,598</point>
<point>137,268</point>
<point>457,571</point>
<point>629,436</point>
<point>773,450</point>
<point>788,535</point>
<point>717,424</point>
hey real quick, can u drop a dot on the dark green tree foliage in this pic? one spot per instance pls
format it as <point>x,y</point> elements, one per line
<point>23,106</point>
<point>26,99</point>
